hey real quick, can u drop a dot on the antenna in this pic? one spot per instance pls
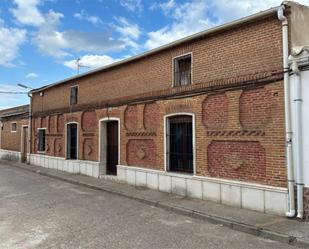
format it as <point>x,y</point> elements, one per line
<point>79,65</point>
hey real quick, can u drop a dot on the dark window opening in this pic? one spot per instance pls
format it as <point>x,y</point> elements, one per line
<point>112,147</point>
<point>72,141</point>
<point>13,127</point>
<point>41,144</point>
<point>74,95</point>
<point>182,71</point>
<point>180,144</point>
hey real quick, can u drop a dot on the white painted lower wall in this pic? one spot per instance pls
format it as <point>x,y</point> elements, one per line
<point>10,155</point>
<point>256,197</point>
<point>82,167</point>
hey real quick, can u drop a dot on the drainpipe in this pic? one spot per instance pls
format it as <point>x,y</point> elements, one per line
<point>298,140</point>
<point>30,128</point>
<point>288,131</point>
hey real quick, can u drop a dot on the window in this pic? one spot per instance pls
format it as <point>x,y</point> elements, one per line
<point>73,95</point>
<point>13,127</point>
<point>41,144</point>
<point>180,144</point>
<point>182,70</point>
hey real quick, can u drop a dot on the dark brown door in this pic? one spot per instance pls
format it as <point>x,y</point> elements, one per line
<point>112,147</point>
<point>25,145</point>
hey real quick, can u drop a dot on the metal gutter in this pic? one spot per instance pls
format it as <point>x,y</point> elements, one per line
<point>223,27</point>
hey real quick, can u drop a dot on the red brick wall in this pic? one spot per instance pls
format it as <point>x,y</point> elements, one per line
<point>252,153</point>
<point>12,140</point>
<point>255,108</point>
<point>215,111</point>
<point>141,152</point>
<point>237,160</point>
<point>306,203</point>
<point>245,50</point>
<point>230,120</point>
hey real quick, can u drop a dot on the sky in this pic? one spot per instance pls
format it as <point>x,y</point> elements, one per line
<point>40,40</point>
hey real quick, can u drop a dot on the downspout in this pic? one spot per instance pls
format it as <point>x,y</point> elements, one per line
<point>298,140</point>
<point>30,128</point>
<point>288,131</point>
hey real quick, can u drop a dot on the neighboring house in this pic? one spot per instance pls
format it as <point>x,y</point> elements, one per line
<point>208,116</point>
<point>14,133</point>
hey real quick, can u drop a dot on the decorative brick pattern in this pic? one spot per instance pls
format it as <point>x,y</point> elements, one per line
<point>151,116</point>
<point>88,149</point>
<point>243,161</point>
<point>141,152</point>
<point>52,124</point>
<point>306,203</point>
<point>215,111</point>
<point>131,118</point>
<point>44,123</point>
<point>89,121</point>
<point>255,108</point>
<point>60,123</point>
<point>58,147</point>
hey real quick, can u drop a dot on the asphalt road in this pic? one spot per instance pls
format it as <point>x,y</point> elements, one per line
<point>39,212</point>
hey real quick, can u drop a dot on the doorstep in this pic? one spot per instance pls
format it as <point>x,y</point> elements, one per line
<point>269,226</point>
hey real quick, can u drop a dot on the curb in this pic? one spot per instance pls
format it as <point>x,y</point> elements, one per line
<point>222,221</point>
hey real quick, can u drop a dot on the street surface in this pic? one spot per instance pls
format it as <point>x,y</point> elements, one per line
<point>40,212</point>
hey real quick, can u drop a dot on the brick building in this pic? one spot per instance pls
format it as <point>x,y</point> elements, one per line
<point>203,116</point>
<point>14,133</point>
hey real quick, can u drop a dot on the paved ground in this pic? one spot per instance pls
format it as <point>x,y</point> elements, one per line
<point>40,212</point>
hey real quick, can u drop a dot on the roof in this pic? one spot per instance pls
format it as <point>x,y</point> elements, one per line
<point>198,35</point>
<point>15,111</point>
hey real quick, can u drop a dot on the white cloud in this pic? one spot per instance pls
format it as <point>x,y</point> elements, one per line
<point>91,61</point>
<point>197,15</point>
<point>129,33</point>
<point>26,12</point>
<point>58,44</point>
<point>31,75</point>
<point>83,15</point>
<point>188,18</point>
<point>127,29</point>
<point>132,5</point>
<point>229,10</point>
<point>10,41</point>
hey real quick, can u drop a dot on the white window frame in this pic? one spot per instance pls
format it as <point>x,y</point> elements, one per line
<point>166,146</point>
<point>105,120</point>
<point>14,122</point>
<point>42,151</point>
<point>173,67</point>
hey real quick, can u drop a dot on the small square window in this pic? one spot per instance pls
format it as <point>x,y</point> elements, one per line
<point>13,127</point>
<point>182,70</point>
<point>41,136</point>
<point>74,95</point>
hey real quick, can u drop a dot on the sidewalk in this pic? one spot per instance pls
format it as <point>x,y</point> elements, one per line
<point>265,225</point>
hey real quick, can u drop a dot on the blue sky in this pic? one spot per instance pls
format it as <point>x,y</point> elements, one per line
<point>41,39</point>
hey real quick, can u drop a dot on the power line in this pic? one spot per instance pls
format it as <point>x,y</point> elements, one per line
<point>3,92</point>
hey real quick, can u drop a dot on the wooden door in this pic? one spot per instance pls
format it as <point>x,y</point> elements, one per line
<point>24,151</point>
<point>112,147</point>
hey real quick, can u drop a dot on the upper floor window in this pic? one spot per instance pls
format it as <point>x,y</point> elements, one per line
<point>13,127</point>
<point>41,140</point>
<point>74,95</point>
<point>182,70</point>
